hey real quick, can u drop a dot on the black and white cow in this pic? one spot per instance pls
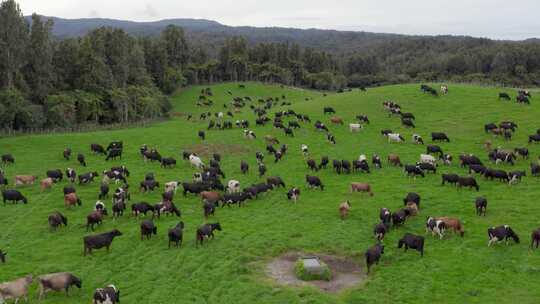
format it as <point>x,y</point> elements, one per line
<point>107,295</point>
<point>500,233</point>
<point>436,227</point>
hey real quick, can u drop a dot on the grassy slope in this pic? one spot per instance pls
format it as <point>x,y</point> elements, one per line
<point>230,269</point>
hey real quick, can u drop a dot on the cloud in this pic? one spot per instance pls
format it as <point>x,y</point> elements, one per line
<point>149,11</point>
<point>93,14</point>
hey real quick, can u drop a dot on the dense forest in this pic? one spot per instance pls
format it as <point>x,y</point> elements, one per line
<point>111,76</point>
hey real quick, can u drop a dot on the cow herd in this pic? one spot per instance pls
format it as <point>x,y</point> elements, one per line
<point>207,184</point>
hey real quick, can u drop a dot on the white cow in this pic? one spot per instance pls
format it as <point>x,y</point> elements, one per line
<point>426,158</point>
<point>233,186</point>
<point>396,137</point>
<point>172,186</point>
<point>196,161</point>
<point>305,150</point>
<point>355,127</point>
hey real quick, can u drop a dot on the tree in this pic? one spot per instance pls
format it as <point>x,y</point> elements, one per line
<point>39,70</point>
<point>13,42</point>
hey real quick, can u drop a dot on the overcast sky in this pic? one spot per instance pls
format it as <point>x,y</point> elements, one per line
<point>500,19</point>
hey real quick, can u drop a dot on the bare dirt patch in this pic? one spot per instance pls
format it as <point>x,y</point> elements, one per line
<point>207,150</point>
<point>345,272</point>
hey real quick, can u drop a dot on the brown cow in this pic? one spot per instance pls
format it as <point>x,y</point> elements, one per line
<point>454,223</point>
<point>344,209</point>
<point>413,208</point>
<point>394,160</point>
<point>46,184</point>
<point>361,187</point>
<point>211,196</point>
<point>336,120</point>
<point>271,140</point>
<point>71,199</point>
<point>24,180</point>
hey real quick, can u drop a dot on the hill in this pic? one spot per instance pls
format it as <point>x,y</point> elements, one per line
<point>231,267</point>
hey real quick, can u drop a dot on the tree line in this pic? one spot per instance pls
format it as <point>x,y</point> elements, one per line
<point>109,76</point>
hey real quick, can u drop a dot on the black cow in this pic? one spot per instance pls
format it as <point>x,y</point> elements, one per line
<point>361,165</point>
<point>168,162</point>
<point>468,182</point>
<point>114,154</point>
<point>324,162</point>
<point>412,241</point>
<point>244,167</point>
<point>498,174</point>
<point>81,159</point>
<point>206,231</point>
<point>312,165</point>
<point>534,138</point>
<point>379,231</point>
<point>176,234</point>
<point>497,234</point>
<point>427,167</point>
<point>346,166</point>
<point>56,175</point>
<point>450,178</point>
<point>56,219</point>
<point>336,164</point>
<point>439,136</point>
<point>477,169</point>
<point>195,188</point>
<point>535,239</point>
<point>535,169</point>
<point>314,181</point>
<point>523,152</point>
<point>97,148</point>
<point>469,159</point>
<point>13,196</point>
<point>385,216</point>
<point>504,96</point>
<point>87,177</point>
<point>490,126</point>
<point>237,198</point>
<point>262,169</point>
<point>275,181</point>
<point>115,145</point>
<point>8,159</point>
<point>373,255</point>
<point>481,205</point>
<point>406,122</point>
<point>98,241</point>
<point>399,217</point>
<point>3,256</point>
<point>432,149</point>
<point>412,197</point>
<point>69,189</point>
<point>142,208</point>
<point>329,110</point>
<point>147,229</point>
<point>148,185</point>
<point>67,153</point>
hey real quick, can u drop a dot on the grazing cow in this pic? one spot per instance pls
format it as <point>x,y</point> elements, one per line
<point>489,127</point>
<point>395,137</point>
<point>498,174</point>
<point>71,199</point>
<point>427,167</point>
<point>469,159</point>
<point>305,150</point>
<point>468,182</point>
<point>206,231</point>
<point>534,138</point>
<point>515,177</point>
<point>477,169</point>
<point>336,120</point>
<point>249,134</point>
<point>71,174</point>
<point>201,135</point>
<point>312,165</point>
<point>176,234</point>
<point>331,138</point>
<point>3,179</point>
<point>379,231</point>
<point>244,167</point>
<point>452,223</point>
<point>500,233</point>
<point>8,159</point>
<point>196,161</point>
<point>56,175</point>
<point>314,182</point>
<point>168,162</point>
<point>195,188</point>
<point>346,166</point>
<point>275,182</point>
<point>147,229</point>
<point>57,219</point>
<point>385,132</point>
<point>414,170</point>
<point>114,154</point>
<point>97,149</point>
<point>407,122</point>
<point>444,89</point>
<point>324,162</point>
<point>399,217</point>
<point>426,158</point>
<point>293,194</point>
<point>432,149</point>
<point>361,187</point>
<point>16,289</point>
<point>394,160</point>
<point>320,126</point>
<point>439,136</point>
<point>81,159</point>
<point>107,295</point>
<point>361,165</point>
<point>523,152</point>
<point>96,217</point>
<point>446,159</point>
<point>385,216</point>
<point>412,197</point>
<point>142,208</point>
<point>362,118</point>
<point>481,205</point>
<point>98,241</point>
<point>13,196</point>
<point>535,169</point>
<point>436,227</point>
<point>417,139</point>
<point>24,180</point>
<point>344,209</point>
<point>535,238</point>
<point>412,241</point>
<point>450,178</point>
<point>67,153</point>
<point>328,110</point>
<point>87,177</point>
<point>238,198</point>
<point>271,140</point>
<point>373,255</point>
<point>355,127</point>
<point>233,186</point>
<point>148,185</point>
<point>57,282</point>
<point>504,96</point>
<point>46,184</point>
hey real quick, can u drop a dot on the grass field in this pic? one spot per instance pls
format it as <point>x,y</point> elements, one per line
<point>230,269</point>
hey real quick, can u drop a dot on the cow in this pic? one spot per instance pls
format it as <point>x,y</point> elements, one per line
<point>46,184</point>
<point>244,167</point>
<point>147,229</point>
<point>489,127</point>
<point>498,174</point>
<point>57,282</point>
<point>412,241</point>
<point>24,180</point>
<point>98,241</point>
<point>2,256</point>
<point>394,160</point>
<point>314,182</point>
<point>399,217</point>
<point>344,209</point>
<point>336,120</point>
<point>534,138</point>
<point>97,149</point>
<point>56,175</point>
<point>57,219</point>
<point>67,153</point>
<point>71,174</point>
<point>106,295</point>
<point>249,134</point>
<point>16,289</point>
<point>361,187</point>
<point>142,208</point>
<point>417,139</point>
<point>95,217</point>
<point>81,159</point>
<point>468,182</point>
<point>481,205</point>
<point>355,127</point>
<point>87,177</point>
<point>504,96</point>
<point>206,231</point>
<point>450,178</point>
<point>500,233</point>
<point>414,170</point>
<point>373,255</point>
<point>436,227</point>
<point>328,110</point>
<point>439,136</point>
<point>535,238</point>
<point>427,167</point>
<point>275,181</point>
<point>196,161</point>
<point>432,149</point>
<point>395,137</point>
<point>452,223</point>
<point>176,234</point>
<point>427,158</point>
<point>293,194</point>
<point>407,122</point>
<point>523,152</point>
<point>13,196</point>
<point>362,118</point>
<point>148,185</point>
<point>469,159</point>
<point>360,165</point>
<point>168,162</point>
<point>8,159</point>
<point>379,231</point>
